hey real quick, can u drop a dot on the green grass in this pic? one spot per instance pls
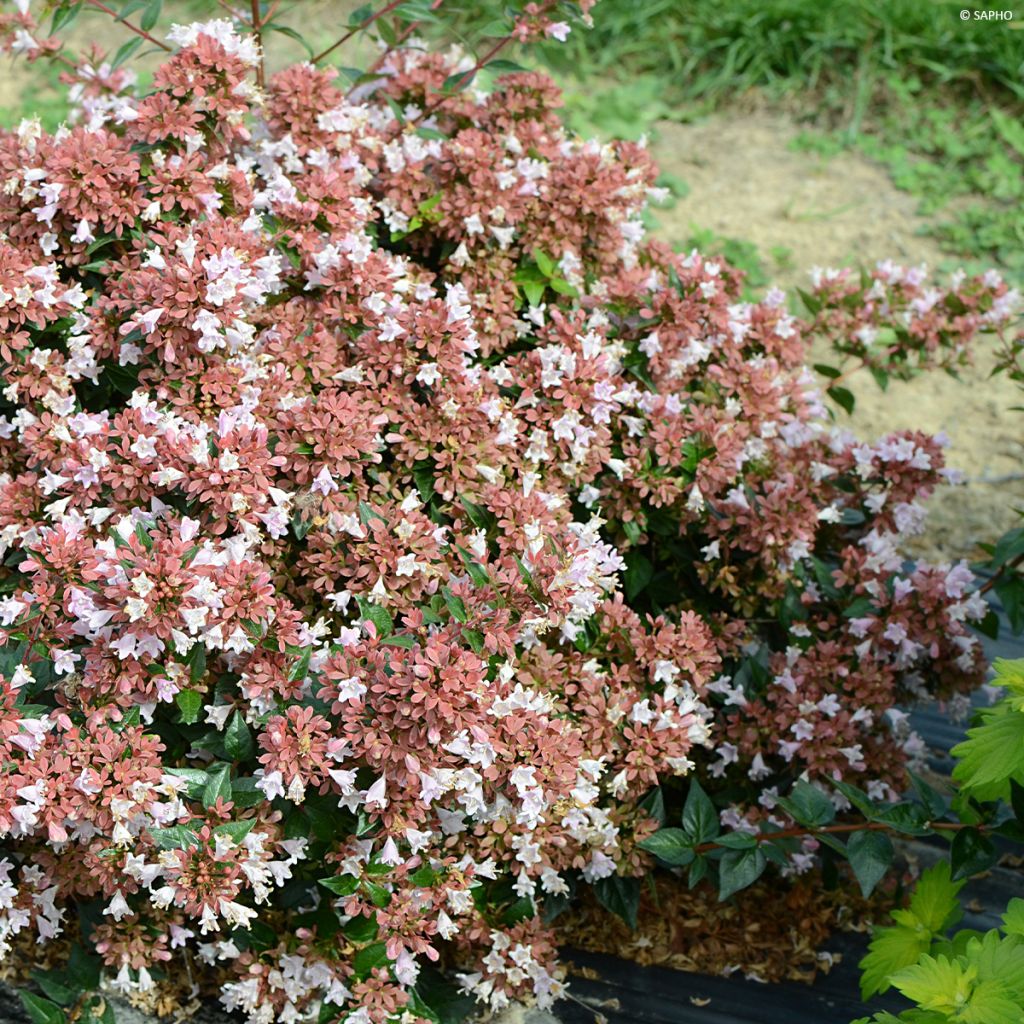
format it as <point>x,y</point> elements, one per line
<point>715,49</point>
<point>937,100</point>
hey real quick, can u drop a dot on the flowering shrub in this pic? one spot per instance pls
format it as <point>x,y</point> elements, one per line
<point>386,520</point>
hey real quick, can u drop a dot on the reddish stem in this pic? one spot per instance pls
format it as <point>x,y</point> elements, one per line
<point>127,24</point>
<point>257,31</point>
<point>867,826</point>
<point>387,9</point>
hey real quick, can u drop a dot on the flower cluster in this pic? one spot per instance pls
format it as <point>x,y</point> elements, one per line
<point>384,519</point>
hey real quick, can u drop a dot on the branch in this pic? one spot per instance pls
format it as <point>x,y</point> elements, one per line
<point>387,9</point>
<point>257,31</point>
<point>127,24</point>
<point>865,826</point>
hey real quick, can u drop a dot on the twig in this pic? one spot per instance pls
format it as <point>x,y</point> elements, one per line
<point>864,826</point>
<point>1002,571</point>
<point>387,9</point>
<point>257,31</point>
<point>127,24</point>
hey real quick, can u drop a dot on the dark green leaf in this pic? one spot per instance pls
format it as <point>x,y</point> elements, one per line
<point>300,669</point>
<point>700,819</point>
<point>739,869</point>
<point>41,1010</point>
<point>971,853</point>
<point>870,856</point>
<point>190,704</point>
<point>340,885</point>
<point>238,741</point>
<point>368,959</point>
<point>219,785</point>
<point>672,845</point>
<point>808,805</point>
<point>619,895</point>
<point>380,617</point>
<point>55,987</point>
<point>638,574</point>
<point>843,397</point>
<point>237,830</point>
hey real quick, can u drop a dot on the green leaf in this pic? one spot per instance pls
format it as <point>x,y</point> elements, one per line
<point>196,661</point>
<point>458,82</point>
<point>190,704</point>
<point>639,572</point>
<point>379,895</point>
<point>291,34</point>
<point>870,856</point>
<point>340,885</point>
<point>1017,800</point>
<point>934,902</point>
<point>619,895</point>
<point>843,397</point>
<point>151,15</point>
<point>300,669</point>
<point>238,741</point>
<point>1013,919</point>
<point>737,841</point>
<point>237,830</point>
<point>218,786</point>
<point>1010,590</point>
<point>936,983</point>
<point>739,869</point>
<point>700,819</point>
<point>83,969</point>
<point>64,16</point>
<point>672,845</point>
<point>475,639</point>
<point>891,949</point>
<point>125,51</point>
<point>547,265</point>
<point>971,853</point>
<point>380,617</point>
<point>933,801</point>
<point>808,805</point>
<point>55,988</point>
<point>41,1010</point>
<point>1010,128</point>
<point>910,819</point>
<point>505,67</point>
<point>455,605</point>
<point>368,959</point>
<point>360,16</point>
<point>195,777</point>
<point>653,804</point>
<point>480,516</point>
<point>245,793</point>
<point>993,750</point>
<point>175,837</point>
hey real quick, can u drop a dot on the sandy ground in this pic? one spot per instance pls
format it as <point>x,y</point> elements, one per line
<point>746,183</point>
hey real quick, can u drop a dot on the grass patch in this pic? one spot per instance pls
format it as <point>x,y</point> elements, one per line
<point>938,100</point>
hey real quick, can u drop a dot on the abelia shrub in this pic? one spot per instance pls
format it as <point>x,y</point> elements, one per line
<point>386,519</point>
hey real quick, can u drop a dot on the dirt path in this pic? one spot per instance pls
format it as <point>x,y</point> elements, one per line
<point>746,183</point>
